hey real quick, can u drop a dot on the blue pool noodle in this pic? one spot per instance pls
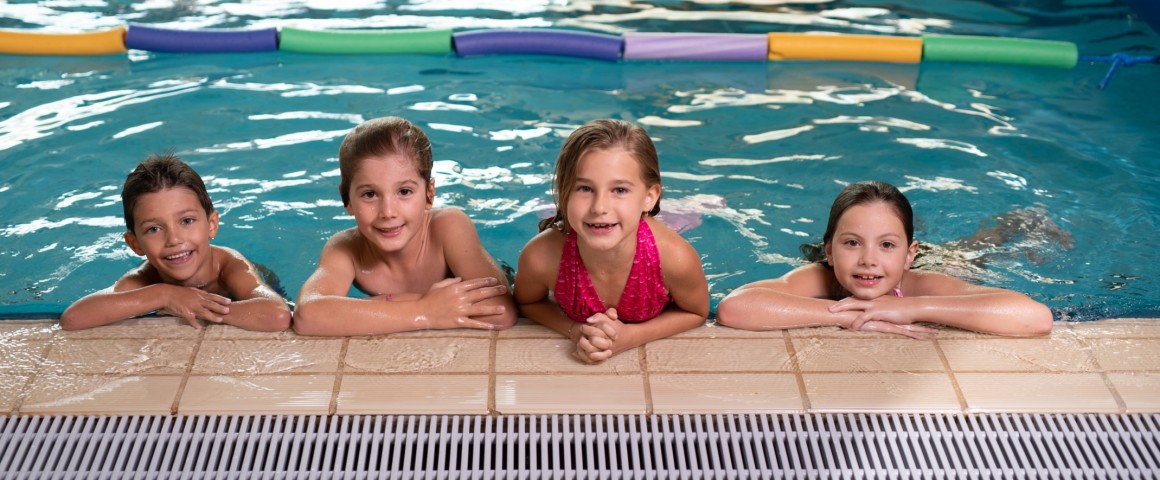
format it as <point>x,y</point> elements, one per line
<point>568,43</point>
<point>153,39</point>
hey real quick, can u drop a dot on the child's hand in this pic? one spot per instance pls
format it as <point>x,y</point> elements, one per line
<point>194,304</point>
<point>597,337</point>
<point>884,314</point>
<point>452,302</point>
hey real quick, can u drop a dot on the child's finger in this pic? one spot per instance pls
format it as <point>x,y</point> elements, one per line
<point>476,324</point>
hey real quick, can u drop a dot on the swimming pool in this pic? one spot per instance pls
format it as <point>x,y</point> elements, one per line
<point>752,153</point>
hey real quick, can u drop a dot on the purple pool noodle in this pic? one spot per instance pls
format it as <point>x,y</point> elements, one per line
<point>153,39</point>
<point>696,46</point>
<point>567,43</point>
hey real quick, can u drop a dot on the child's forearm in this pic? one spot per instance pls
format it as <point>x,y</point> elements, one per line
<point>261,314</point>
<point>768,309</point>
<point>548,314</point>
<point>106,306</point>
<point>670,322</point>
<point>1000,313</point>
<point>333,315</point>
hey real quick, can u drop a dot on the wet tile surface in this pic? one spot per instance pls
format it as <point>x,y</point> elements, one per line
<point>160,365</point>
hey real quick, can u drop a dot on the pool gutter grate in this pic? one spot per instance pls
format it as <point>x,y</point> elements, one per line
<point>604,446</point>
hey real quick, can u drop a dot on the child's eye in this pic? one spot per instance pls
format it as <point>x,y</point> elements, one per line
<point>888,245</point>
<point>583,189</point>
<point>188,220</point>
<point>850,243</point>
<point>153,229</point>
<point>620,190</point>
<point>406,192</point>
<point>367,194</point>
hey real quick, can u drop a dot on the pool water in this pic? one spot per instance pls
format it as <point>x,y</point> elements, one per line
<point>752,153</point>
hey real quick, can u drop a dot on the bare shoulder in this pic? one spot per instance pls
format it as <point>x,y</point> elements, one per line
<point>140,276</point>
<point>450,222</point>
<point>677,254</point>
<point>813,280</point>
<point>925,283</point>
<point>542,253</point>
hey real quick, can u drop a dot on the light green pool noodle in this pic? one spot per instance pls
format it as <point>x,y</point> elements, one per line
<point>1016,51</point>
<point>420,40</point>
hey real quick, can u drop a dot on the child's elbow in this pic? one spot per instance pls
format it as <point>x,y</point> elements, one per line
<point>728,312</point>
<point>70,321</point>
<point>305,322</point>
<point>278,320</point>
<point>1041,321</point>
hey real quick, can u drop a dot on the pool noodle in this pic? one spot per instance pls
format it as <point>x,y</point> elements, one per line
<point>153,39</point>
<point>696,46</point>
<point>1017,51</point>
<point>102,42</point>
<point>418,40</point>
<point>568,43</point>
<point>865,48</point>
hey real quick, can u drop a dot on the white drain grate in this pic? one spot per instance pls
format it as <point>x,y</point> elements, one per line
<point>583,446</point>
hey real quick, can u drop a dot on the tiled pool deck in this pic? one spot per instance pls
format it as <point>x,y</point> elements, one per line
<point>159,366</point>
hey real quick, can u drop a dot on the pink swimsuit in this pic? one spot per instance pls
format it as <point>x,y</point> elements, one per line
<point>644,295</point>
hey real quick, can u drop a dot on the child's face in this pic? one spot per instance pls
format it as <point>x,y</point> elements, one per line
<point>173,232</point>
<point>390,201</point>
<point>608,198</point>
<point>869,251</point>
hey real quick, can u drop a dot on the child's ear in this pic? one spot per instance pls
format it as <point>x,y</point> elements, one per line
<point>652,196</point>
<point>911,252</point>
<point>213,224</point>
<point>131,240</point>
<point>430,193</point>
<point>828,249</point>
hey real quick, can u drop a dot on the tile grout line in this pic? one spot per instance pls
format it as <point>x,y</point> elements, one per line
<point>1091,352</point>
<point>492,347</point>
<point>338,371</point>
<point>174,407</point>
<point>642,358</point>
<point>797,371</point>
<point>960,396</point>
<point>45,351</point>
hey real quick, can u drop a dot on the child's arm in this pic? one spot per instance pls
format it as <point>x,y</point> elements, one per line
<point>535,274</point>
<point>325,309</point>
<point>685,280</point>
<point>796,299</point>
<point>468,259</point>
<point>256,306</point>
<point>937,298</point>
<point>133,295</point>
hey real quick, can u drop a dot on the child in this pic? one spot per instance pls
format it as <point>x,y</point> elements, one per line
<point>423,267</point>
<point>865,281</point>
<point>619,277</point>
<point>170,221</point>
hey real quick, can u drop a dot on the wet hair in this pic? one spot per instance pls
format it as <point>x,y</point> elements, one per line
<point>859,194</point>
<point>601,135</point>
<point>157,173</point>
<point>380,137</point>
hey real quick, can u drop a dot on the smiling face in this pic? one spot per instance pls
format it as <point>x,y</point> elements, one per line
<point>172,231</point>
<point>869,252</point>
<point>608,198</point>
<point>390,201</point>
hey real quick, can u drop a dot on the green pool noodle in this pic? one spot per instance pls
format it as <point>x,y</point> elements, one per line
<point>421,40</point>
<point>1017,51</point>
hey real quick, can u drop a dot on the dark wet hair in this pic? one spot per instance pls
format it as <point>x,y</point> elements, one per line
<point>381,137</point>
<point>859,194</point>
<point>601,135</point>
<point>159,172</point>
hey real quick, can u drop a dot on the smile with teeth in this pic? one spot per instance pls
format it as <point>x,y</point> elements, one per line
<point>389,231</point>
<point>600,226</point>
<point>179,257</point>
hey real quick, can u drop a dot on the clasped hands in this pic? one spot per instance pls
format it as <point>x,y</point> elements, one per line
<point>885,314</point>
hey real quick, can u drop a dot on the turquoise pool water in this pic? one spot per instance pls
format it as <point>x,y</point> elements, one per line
<point>752,154</point>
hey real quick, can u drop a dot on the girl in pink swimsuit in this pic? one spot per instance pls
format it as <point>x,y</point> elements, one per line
<point>603,271</point>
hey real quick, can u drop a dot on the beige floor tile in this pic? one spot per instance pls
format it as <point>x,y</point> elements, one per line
<point>413,395</point>
<point>577,394</point>
<point>230,332</point>
<point>725,393</point>
<point>867,355</point>
<point>1058,353</point>
<point>1118,328</point>
<point>144,327</point>
<point>29,330</point>
<point>880,392</point>
<point>457,332</point>
<point>718,355</point>
<point>1140,391</point>
<point>1036,392</point>
<point>1131,354</point>
<point>525,328</point>
<point>20,354</point>
<point>101,395</point>
<point>11,388</point>
<point>554,355</point>
<point>266,357</point>
<point>391,354</point>
<point>122,356</point>
<point>282,394</point>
